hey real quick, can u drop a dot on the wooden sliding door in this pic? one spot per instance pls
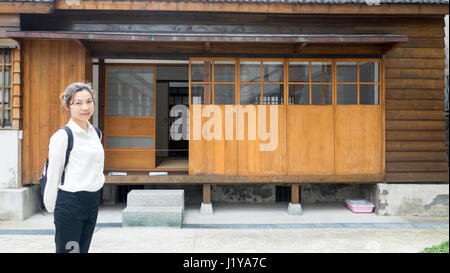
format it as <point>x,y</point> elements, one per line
<point>129,138</point>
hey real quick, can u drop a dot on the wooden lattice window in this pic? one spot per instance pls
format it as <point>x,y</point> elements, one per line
<point>261,81</point>
<point>5,87</point>
<point>310,82</point>
<point>213,81</point>
<point>358,82</point>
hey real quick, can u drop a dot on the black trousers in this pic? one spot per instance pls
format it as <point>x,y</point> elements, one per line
<point>75,217</point>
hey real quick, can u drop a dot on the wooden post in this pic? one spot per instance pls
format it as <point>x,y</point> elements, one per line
<point>101,95</point>
<point>295,194</point>
<point>206,193</point>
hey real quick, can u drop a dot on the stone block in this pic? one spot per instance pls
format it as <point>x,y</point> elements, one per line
<point>152,217</point>
<point>155,198</point>
<point>18,204</point>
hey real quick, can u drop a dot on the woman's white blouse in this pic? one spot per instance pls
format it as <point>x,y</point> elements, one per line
<point>84,171</point>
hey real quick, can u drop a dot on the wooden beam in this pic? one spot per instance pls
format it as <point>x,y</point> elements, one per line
<point>298,47</point>
<point>26,7</point>
<point>236,179</point>
<point>389,46</point>
<point>250,7</point>
<point>83,43</point>
<point>295,197</point>
<point>206,193</point>
<point>215,37</point>
<point>207,47</point>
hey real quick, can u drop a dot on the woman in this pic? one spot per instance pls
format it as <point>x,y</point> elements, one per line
<point>75,203</point>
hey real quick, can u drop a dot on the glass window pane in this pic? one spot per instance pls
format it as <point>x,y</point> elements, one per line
<point>7,56</point>
<point>224,71</point>
<point>130,91</point>
<point>7,93</point>
<point>6,116</point>
<point>250,94</point>
<point>201,94</point>
<point>250,72</point>
<point>224,94</point>
<point>321,94</point>
<point>1,95</point>
<point>201,71</point>
<point>321,72</point>
<point>273,94</point>
<point>299,94</point>
<point>369,94</point>
<point>135,142</point>
<point>347,72</point>
<point>299,71</point>
<point>7,75</point>
<point>369,72</point>
<point>347,94</point>
<point>273,71</point>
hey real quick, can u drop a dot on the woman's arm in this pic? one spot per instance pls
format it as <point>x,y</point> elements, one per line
<point>56,157</point>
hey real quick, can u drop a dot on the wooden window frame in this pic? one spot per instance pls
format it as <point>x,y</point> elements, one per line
<point>3,122</point>
<point>213,82</point>
<point>310,82</point>
<point>358,82</point>
<point>286,82</point>
<point>262,82</point>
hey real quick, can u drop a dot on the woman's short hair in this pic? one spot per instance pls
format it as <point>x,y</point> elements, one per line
<point>73,88</point>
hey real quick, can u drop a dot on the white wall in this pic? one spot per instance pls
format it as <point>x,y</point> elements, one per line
<point>10,147</point>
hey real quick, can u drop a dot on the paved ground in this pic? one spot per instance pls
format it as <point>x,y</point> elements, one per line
<point>243,228</point>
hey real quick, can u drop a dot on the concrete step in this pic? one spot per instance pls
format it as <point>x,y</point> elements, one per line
<point>155,198</point>
<point>152,217</point>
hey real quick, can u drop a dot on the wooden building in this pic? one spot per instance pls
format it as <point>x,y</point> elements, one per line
<point>353,90</point>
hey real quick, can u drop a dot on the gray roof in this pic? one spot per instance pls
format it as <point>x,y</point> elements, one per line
<point>296,1</point>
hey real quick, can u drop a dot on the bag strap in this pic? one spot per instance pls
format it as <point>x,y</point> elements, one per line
<point>69,149</point>
<point>99,133</point>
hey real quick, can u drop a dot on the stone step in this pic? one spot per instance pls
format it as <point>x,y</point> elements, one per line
<point>152,217</point>
<point>155,198</point>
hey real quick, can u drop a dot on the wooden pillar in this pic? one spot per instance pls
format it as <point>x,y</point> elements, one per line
<point>295,196</point>
<point>206,193</point>
<point>101,95</point>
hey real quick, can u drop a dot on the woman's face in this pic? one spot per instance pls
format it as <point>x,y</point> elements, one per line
<point>82,106</point>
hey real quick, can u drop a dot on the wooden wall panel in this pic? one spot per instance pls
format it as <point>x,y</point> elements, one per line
<point>49,66</point>
<point>415,120</point>
<point>310,140</point>
<point>215,156</point>
<point>358,140</point>
<point>251,159</point>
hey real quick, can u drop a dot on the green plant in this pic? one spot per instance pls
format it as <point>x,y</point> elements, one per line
<point>441,248</point>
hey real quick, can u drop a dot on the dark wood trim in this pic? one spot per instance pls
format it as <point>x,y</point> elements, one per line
<point>236,179</point>
<point>214,37</point>
<point>101,95</point>
<point>258,7</point>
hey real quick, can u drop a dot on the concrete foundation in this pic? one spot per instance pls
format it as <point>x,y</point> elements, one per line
<point>109,194</point>
<point>243,193</point>
<point>411,199</point>
<point>206,209</point>
<point>294,209</point>
<point>400,199</point>
<point>19,204</point>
